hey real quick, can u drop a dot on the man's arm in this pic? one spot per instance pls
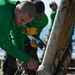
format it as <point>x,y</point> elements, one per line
<point>7,45</point>
<point>14,51</point>
<point>10,48</point>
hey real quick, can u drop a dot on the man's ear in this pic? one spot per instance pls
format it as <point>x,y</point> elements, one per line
<point>17,9</point>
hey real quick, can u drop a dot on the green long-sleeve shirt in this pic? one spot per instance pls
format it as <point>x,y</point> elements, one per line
<point>6,25</point>
<point>52,17</point>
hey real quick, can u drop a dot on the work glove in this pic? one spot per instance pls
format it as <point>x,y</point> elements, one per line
<point>33,43</point>
<point>31,31</point>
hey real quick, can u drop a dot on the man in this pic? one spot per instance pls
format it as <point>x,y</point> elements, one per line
<point>35,27</point>
<point>53,7</point>
<point>12,15</point>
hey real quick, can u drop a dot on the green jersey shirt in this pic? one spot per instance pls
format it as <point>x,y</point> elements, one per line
<point>52,17</point>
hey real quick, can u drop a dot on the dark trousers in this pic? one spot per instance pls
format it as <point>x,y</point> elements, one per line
<point>9,65</point>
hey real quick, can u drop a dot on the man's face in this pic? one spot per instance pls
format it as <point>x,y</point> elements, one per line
<point>22,18</point>
<point>54,7</point>
<point>38,16</point>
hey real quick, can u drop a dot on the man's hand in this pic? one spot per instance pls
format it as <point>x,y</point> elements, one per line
<point>33,64</point>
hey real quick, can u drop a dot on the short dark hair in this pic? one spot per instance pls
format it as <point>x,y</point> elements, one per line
<point>51,4</point>
<point>40,7</point>
<point>28,7</point>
